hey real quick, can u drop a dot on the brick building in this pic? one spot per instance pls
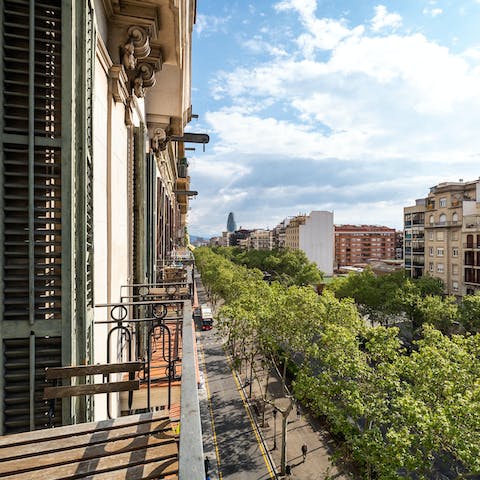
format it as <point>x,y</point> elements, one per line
<point>360,243</point>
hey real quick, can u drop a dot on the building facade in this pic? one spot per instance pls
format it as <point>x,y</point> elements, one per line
<point>292,232</point>
<point>356,244</point>
<point>94,184</point>
<point>451,236</point>
<point>314,235</point>
<point>260,239</point>
<point>414,239</point>
<point>279,234</point>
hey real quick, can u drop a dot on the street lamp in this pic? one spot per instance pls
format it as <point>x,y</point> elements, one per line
<point>274,428</point>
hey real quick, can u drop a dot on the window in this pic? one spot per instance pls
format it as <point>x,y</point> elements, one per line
<point>454,236</point>
<point>430,267</point>
<point>442,202</point>
<point>431,251</point>
<point>455,217</point>
<point>455,252</point>
<point>440,267</point>
<point>440,236</point>
<point>442,218</point>
<point>432,219</point>
<point>431,236</point>
<point>455,286</point>
<point>439,252</point>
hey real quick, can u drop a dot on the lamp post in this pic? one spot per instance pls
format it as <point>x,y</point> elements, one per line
<point>274,428</point>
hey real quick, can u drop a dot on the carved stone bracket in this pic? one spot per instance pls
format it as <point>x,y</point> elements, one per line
<point>140,38</point>
<point>144,78</point>
<point>119,83</point>
<point>136,48</point>
<point>136,59</point>
<point>158,140</point>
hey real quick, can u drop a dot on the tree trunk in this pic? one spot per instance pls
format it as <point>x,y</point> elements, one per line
<point>265,397</point>
<point>283,458</point>
<point>284,374</point>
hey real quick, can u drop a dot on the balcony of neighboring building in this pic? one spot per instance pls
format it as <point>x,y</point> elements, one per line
<point>472,259</point>
<point>473,242</point>
<point>442,221</point>
<point>471,222</point>
<point>472,276</point>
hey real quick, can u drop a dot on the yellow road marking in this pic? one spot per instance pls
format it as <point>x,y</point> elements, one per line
<point>210,408</point>
<point>252,422</point>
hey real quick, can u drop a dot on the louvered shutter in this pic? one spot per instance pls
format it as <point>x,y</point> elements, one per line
<point>31,205</point>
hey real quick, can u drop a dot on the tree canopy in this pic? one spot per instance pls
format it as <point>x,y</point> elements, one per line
<point>289,267</point>
<point>402,413</point>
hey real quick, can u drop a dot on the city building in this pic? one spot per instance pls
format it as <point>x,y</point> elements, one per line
<point>292,232</point>
<point>260,240</point>
<point>239,238</point>
<point>279,234</point>
<point>94,190</point>
<point>399,245</point>
<point>231,224</point>
<point>356,244</point>
<point>451,223</point>
<point>314,235</point>
<point>414,239</point>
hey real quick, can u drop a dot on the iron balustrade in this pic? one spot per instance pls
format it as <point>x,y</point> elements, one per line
<point>157,320</point>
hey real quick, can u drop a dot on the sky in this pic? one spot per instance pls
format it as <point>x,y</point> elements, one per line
<point>355,107</point>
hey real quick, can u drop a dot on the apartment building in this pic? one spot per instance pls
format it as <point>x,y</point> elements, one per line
<point>359,243</point>
<point>279,234</point>
<point>451,251</point>
<point>414,239</point>
<point>260,239</point>
<point>314,235</point>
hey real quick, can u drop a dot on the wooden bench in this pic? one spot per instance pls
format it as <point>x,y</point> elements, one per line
<point>57,374</point>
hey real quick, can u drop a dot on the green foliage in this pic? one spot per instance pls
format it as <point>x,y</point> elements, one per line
<point>469,313</point>
<point>289,267</point>
<point>394,294</point>
<point>399,413</point>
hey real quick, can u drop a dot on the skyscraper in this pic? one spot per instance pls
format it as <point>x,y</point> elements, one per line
<point>231,225</point>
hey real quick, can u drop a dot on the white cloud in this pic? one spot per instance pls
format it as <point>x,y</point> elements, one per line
<point>433,12</point>
<point>258,45</point>
<point>206,24</point>
<point>362,128</point>
<point>384,19</point>
<point>321,33</point>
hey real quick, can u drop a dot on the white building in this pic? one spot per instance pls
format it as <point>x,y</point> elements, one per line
<point>316,239</point>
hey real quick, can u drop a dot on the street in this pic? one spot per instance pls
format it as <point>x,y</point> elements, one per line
<point>231,441</point>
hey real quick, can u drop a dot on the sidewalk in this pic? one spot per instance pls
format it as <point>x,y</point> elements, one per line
<point>300,430</point>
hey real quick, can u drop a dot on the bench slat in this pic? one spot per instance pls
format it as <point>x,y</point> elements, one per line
<point>53,373</point>
<point>90,389</point>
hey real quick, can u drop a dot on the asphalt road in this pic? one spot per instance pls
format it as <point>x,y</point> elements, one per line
<point>231,442</point>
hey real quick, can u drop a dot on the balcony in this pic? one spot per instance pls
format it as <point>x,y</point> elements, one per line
<point>472,276</point>
<point>471,246</point>
<point>444,224</point>
<point>155,325</point>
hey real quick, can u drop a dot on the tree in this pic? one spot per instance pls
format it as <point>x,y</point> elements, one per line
<point>469,313</point>
<point>439,312</point>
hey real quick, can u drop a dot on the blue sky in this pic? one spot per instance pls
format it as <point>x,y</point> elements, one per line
<point>356,107</point>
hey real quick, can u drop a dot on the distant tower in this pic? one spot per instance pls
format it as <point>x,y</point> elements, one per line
<point>231,225</point>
